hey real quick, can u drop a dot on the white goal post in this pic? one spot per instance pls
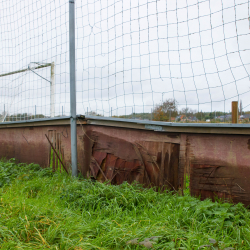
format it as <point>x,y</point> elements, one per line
<point>52,83</point>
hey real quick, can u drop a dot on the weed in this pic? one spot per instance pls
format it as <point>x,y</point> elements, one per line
<point>42,209</point>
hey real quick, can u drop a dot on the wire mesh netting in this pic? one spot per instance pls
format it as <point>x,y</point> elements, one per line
<point>131,56</point>
<point>34,37</point>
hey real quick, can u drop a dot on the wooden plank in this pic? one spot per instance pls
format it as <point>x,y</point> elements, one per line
<point>174,162</point>
<point>57,150</point>
<point>49,158</point>
<point>54,156</point>
<point>235,115</point>
<point>101,168</point>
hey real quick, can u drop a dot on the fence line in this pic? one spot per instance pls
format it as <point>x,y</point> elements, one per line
<point>131,57</point>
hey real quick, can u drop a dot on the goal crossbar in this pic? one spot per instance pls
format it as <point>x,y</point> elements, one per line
<point>23,70</point>
<point>52,83</point>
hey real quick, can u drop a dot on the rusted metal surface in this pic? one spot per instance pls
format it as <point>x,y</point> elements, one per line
<point>151,163</point>
<point>227,183</point>
<point>218,164</point>
<point>219,167</point>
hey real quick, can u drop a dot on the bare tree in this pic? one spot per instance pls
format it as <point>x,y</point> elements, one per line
<point>166,110</point>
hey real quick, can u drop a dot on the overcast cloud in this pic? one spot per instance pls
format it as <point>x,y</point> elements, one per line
<point>130,54</point>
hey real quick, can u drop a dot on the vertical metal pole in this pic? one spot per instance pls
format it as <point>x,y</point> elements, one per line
<point>87,110</point>
<point>111,111</point>
<point>52,90</point>
<point>62,110</point>
<point>72,87</point>
<point>35,111</point>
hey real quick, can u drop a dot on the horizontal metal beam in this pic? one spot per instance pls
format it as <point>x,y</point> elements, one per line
<point>195,128</point>
<point>168,124</point>
<point>23,70</point>
<point>64,120</point>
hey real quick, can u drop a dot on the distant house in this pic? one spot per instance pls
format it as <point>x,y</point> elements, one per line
<point>180,118</point>
<point>224,117</point>
<point>192,119</point>
<point>246,116</point>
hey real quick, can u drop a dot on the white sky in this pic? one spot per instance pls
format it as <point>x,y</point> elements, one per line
<point>130,54</point>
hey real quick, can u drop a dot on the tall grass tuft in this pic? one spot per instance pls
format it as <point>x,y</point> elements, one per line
<point>42,209</point>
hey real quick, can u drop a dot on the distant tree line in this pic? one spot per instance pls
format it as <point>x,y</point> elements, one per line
<point>167,111</point>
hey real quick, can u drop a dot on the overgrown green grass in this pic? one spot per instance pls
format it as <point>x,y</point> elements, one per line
<point>40,209</point>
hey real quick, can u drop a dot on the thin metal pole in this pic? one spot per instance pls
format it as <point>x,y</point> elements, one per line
<point>35,111</point>
<point>62,110</point>
<point>72,87</point>
<point>52,90</point>
<point>23,70</point>
<point>111,111</point>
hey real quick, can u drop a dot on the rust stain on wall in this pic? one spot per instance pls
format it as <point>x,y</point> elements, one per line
<point>248,144</point>
<point>227,183</point>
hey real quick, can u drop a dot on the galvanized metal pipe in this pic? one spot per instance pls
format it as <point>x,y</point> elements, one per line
<point>23,70</point>
<point>72,87</point>
<point>52,90</point>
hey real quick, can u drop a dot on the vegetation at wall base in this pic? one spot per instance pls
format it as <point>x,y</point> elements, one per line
<point>41,209</point>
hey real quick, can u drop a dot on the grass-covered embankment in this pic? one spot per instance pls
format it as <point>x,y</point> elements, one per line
<point>40,209</point>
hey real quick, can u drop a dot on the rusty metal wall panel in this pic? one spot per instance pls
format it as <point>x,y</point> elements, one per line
<point>120,154</point>
<point>106,153</point>
<point>228,183</point>
<point>25,144</point>
<point>29,144</point>
<point>220,150</point>
<point>220,166</point>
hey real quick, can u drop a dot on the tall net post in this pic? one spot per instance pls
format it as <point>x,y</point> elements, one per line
<point>73,127</point>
